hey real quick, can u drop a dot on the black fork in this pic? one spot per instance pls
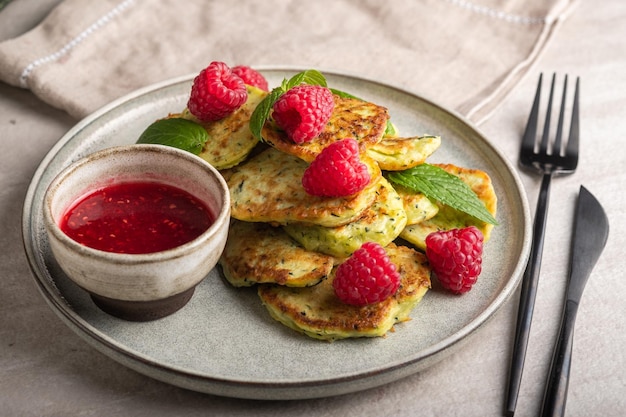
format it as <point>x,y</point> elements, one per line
<point>549,158</point>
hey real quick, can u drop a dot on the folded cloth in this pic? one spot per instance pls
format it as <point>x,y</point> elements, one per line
<point>464,55</point>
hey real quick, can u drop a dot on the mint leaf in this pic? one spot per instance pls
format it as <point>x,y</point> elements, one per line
<point>177,133</point>
<point>437,184</point>
<point>311,77</point>
<point>390,130</point>
<point>262,111</point>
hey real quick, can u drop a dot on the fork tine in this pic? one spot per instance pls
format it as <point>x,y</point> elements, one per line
<point>574,132</point>
<point>530,134</point>
<point>543,149</point>
<point>556,149</point>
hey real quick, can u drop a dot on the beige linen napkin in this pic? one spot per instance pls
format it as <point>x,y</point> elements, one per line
<point>465,55</point>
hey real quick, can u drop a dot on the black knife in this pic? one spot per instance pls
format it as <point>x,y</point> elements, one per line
<point>591,230</point>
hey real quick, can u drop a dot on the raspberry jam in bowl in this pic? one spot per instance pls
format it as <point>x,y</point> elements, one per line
<point>138,227</point>
<point>136,217</point>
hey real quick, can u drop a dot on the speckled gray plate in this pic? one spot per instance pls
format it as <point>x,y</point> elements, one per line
<point>224,342</point>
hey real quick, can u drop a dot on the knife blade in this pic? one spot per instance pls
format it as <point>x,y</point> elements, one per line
<point>591,231</point>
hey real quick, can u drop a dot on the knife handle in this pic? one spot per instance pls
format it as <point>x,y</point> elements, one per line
<point>555,395</point>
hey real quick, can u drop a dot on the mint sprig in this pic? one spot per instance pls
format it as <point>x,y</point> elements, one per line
<point>177,133</point>
<point>262,111</point>
<point>437,184</point>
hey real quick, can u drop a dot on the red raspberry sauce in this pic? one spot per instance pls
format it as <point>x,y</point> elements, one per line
<point>136,217</point>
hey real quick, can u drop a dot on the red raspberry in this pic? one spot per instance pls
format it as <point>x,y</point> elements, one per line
<point>251,77</point>
<point>216,93</point>
<point>337,171</point>
<point>456,257</point>
<point>303,111</point>
<point>367,276</point>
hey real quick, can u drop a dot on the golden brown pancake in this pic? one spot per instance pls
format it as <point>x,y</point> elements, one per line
<point>380,223</point>
<point>351,118</point>
<point>317,312</point>
<point>230,139</point>
<point>417,206</point>
<point>268,188</point>
<point>398,154</point>
<point>259,253</point>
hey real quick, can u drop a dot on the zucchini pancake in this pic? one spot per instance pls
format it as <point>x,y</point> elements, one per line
<point>365,122</point>
<point>268,188</point>
<point>230,140</point>
<point>260,253</point>
<point>318,313</point>
<point>291,241</point>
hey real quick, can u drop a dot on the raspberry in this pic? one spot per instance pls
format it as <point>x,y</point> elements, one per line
<point>456,257</point>
<point>251,77</point>
<point>303,111</point>
<point>216,93</point>
<point>366,277</point>
<point>337,171</point>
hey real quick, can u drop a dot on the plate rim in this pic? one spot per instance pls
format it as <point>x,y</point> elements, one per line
<point>264,390</point>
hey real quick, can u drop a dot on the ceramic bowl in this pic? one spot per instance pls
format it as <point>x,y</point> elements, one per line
<point>139,287</point>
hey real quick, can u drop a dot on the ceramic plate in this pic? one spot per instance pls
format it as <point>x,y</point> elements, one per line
<point>224,342</point>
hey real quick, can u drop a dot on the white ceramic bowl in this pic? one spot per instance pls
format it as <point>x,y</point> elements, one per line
<point>139,287</point>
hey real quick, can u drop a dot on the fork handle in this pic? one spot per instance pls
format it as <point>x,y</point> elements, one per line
<point>527,296</point>
<point>556,390</point>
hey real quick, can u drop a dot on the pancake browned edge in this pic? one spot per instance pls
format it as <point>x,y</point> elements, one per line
<point>317,312</point>
<point>397,153</point>
<point>268,188</point>
<point>230,139</point>
<point>382,222</point>
<point>260,253</point>
<point>351,118</point>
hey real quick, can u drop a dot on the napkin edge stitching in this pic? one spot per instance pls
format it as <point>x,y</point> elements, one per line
<point>65,49</point>
<point>497,14</point>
